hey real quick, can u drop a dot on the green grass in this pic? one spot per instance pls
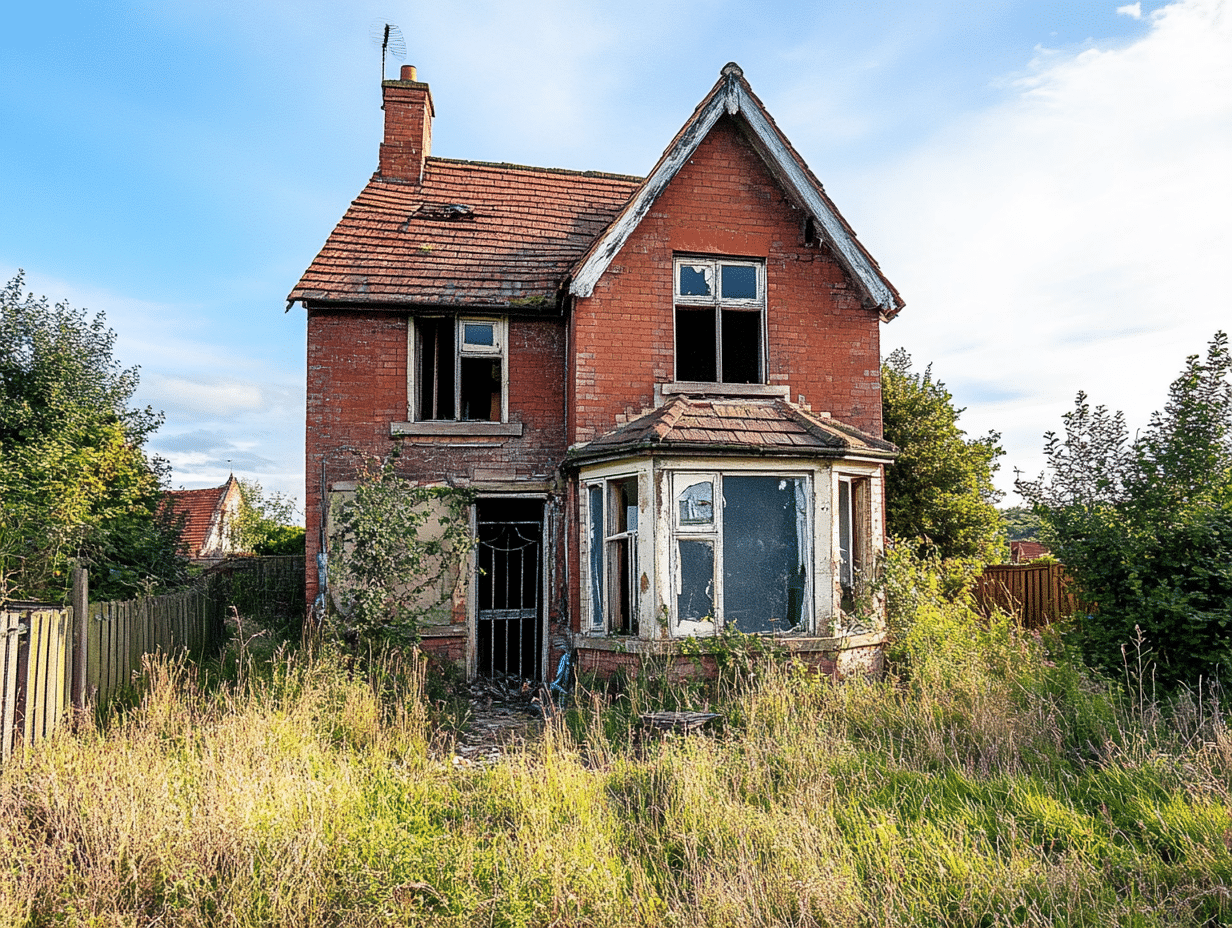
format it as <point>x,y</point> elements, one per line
<point>989,781</point>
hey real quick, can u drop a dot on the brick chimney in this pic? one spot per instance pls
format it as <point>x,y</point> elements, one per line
<point>408,128</point>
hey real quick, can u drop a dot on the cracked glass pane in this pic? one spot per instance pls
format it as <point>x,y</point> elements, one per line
<point>696,280</point>
<point>765,553</point>
<point>697,504</point>
<point>695,586</point>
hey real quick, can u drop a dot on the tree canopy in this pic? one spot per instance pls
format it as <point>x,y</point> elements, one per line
<point>1145,526</point>
<point>939,492</point>
<point>266,522</point>
<point>74,478</point>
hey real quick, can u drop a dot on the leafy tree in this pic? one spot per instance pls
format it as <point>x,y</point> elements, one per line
<point>395,561</point>
<point>1145,525</point>
<point>74,480</point>
<point>265,523</point>
<point>1021,523</point>
<point>939,492</point>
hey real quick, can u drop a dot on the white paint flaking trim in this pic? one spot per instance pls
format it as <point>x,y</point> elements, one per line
<point>733,99</point>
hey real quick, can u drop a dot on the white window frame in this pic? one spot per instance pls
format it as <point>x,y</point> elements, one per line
<point>712,533</point>
<point>498,351</point>
<point>716,301</point>
<point>599,596</point>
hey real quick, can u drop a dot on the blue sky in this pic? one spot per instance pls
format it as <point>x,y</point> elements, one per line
<point>1047,184</point>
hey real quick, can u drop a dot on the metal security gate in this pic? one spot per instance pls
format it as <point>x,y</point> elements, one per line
<point>510,578</point>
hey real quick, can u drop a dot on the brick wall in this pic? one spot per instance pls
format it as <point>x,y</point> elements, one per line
<point>357,386</point>
<point>821,341</point>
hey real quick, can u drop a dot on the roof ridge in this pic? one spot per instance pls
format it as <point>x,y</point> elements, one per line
<point>510,166</point>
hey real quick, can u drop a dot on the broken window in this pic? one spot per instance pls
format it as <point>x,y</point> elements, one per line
<point>745,566</point>
<point>460,365</point>
<point>613,558</point>
<point>720,320</point>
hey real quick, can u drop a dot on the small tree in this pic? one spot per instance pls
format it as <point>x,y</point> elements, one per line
<point>74,478</point>
<point>939,492</point>
<point>266,522</point>
<point>1145,526</point>
<point>395,560</point>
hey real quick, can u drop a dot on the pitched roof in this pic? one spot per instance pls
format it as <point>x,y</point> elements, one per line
<point>732,95</point>
<point>198,508</point>
<point>745,426</point>
<point>473,234</point>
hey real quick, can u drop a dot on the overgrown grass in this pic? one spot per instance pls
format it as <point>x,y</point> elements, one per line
<point>989,781</point>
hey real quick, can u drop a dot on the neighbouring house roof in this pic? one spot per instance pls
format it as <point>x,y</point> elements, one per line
<point>1022,552</point>
<point>745,426</point>
<point>733,96</point>
<point>474,234</point>
<point>204,512</point>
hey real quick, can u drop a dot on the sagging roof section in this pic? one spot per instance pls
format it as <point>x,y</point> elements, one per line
<point>735,425</point>
<point>472,234</point>
<point>732,95</point>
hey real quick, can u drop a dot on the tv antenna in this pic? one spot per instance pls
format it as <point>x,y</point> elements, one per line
<point>389,37</point>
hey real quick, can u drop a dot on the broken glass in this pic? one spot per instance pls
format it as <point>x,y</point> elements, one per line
<point>697,504</point>
<point>696,280</point>
<point>765,553</point>
<point>695,586</point>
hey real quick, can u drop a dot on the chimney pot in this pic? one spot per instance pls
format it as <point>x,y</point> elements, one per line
<point>408,72</point>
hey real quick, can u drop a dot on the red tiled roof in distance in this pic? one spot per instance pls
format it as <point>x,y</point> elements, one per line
<point>522,230</point>
<point>198,507</point>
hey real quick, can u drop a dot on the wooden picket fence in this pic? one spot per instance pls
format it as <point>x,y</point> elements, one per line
<point>37,642</point>
<point>1035,594</point>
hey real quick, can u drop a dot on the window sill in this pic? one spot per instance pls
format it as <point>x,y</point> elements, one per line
<point>457,429</point>
<point>709,644</point>
<point>704,388</point>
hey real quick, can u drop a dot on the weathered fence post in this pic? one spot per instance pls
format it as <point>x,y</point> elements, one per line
<point>81,628</point>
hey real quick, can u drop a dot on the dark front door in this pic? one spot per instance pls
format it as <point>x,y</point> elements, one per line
<point>508,585</point>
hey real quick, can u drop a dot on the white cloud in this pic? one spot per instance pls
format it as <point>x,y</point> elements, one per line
<point>1074,236</point>
<point>1132,10</point>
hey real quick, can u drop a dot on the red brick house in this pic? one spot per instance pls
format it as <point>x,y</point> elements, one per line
<point>664,391</point>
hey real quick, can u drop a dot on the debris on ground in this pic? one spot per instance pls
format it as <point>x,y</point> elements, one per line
<point>504,710</point>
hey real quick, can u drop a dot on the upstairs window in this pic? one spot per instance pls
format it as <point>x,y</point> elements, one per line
<point>460,367</point>
<point>720,320</point>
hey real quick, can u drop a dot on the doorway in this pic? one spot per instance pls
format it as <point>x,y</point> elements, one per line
<point>508,587</point>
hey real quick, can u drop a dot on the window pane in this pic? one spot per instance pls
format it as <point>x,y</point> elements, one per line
<point>741,346</point>
<point>479,333</point>
<point>695,594</point>
<point>697,504</point>
<point>739,282</point>
<point>696,280</point>
<point>695,345</point>
<point>481,389</point>
<point>765,545</point>
<point>596,557</point>
<point>844,535</point>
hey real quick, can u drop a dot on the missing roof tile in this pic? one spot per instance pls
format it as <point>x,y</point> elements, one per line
<point>445,212</point>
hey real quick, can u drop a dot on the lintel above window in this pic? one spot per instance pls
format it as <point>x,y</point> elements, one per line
<point>720,320</point>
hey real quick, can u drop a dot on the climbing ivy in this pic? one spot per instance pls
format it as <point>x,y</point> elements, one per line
<point>396,556</point>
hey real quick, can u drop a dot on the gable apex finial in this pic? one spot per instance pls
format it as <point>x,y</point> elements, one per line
<point>731,68</point>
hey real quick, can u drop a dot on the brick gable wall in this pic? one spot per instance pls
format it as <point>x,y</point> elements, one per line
<point>821,341</point>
